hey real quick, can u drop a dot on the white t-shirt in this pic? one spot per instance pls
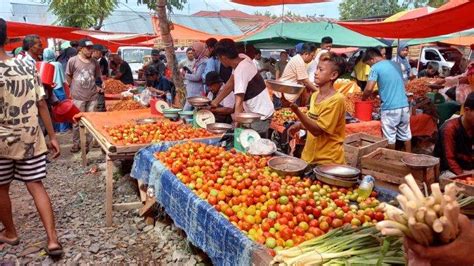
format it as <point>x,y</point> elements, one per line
<point>244,72</point>
<point>313,66</point>
<point>229,100</point>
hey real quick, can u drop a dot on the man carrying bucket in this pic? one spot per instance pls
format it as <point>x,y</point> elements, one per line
<point>395,112</point>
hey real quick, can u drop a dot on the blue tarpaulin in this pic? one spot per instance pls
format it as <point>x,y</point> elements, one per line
<point>206,228</point>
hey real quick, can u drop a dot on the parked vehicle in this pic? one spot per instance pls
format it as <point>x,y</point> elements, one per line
<point>134,56</point>
<point>446,57</point>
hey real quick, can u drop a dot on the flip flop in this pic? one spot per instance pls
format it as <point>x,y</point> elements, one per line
<point>10,242</point>
<point>54,252</point>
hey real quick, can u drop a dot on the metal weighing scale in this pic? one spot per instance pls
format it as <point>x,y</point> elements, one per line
<point>201,116</point>
<point>244,136</point>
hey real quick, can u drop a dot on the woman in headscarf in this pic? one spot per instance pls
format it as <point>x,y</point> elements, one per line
<point>402,59</point>
<point>195,84</point>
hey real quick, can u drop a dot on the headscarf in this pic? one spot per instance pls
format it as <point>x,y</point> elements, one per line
<point>199,50</point>
<point>403,61</point>
<point>17,51</point>
<point>48,55</point>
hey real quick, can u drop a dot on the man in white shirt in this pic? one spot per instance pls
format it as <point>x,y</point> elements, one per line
<point>296,71</point>
<point>251,94</point>
<point>326,45</point>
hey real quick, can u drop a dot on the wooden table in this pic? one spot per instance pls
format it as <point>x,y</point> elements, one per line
<point>94,123</point>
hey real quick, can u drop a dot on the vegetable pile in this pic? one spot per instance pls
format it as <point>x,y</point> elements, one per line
<point>114,86</point>
<point>426,220</point>
<point>277,211</point>
<point>125,105</point>
<point>345,246</point>
<point>151,133</point>
<point>352,98</point>
<point>419,87</point>
<point>286,115</point>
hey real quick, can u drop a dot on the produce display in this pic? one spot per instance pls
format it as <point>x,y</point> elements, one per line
<point>277,211</point>
<point>114,86</point>
<point>286,115</point>
<point>126,105</point>
<point>419,87</point>
<point>428,220</point>
<point>345,246</point>
<point>151,133</point>
<point>466,181</point>
<point>352,98</point>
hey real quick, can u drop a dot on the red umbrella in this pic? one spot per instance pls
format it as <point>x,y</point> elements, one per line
<point>276,2</point>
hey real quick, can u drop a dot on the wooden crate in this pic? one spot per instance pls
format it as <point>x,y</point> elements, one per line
<point>467,189</point>
<point>360,144</point>
<point>386,165</point>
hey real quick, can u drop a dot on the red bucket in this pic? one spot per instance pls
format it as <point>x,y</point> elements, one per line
<point>46,72</point>
<point>363,110</point>
<point>65,111</point>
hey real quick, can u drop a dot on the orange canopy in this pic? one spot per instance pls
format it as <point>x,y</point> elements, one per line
<point>462,41</point>
<point>452,17</point>
<point>276,2</point>
<point>180,32</point>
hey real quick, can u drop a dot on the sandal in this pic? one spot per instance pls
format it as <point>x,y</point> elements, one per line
<point>54,252</point>
<point>10,242</point>
<point>75,149</point>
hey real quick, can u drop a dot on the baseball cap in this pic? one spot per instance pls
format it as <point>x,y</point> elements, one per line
<point>213,78</point>
<point>155,52</point>
<point>299,47</point>
<point>85,43</point>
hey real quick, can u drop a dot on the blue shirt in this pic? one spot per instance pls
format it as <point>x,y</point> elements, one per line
<point>389,78</point>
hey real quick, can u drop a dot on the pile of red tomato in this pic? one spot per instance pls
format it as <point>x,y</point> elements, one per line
<point>278,211</point>
<point>149,133</point>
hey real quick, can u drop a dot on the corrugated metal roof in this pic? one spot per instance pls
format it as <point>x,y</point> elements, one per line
<point>127,21</point>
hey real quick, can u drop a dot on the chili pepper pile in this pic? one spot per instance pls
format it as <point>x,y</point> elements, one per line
<point>125,105</point>
<point>114,86</point>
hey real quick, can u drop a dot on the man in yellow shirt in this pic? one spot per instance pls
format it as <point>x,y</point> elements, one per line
<point>325,121</point>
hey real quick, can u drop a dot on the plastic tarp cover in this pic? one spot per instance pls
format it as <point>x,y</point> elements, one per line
<point>207,229</point>
<point>276,2</point>
<point>289,34</point>
<point>452,17</point>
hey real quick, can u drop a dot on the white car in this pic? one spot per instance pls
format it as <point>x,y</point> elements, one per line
<point>446,57</point>
<point>134,56</point>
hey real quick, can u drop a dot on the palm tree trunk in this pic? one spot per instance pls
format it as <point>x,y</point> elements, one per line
<point>167,39</point>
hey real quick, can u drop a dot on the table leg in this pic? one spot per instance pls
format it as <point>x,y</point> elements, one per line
<point>109,190</point>
<point>82,136</point>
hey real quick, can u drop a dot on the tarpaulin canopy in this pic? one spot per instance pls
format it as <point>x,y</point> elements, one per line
<point>453,17</point>
<point>462,41</point>
<point>409,14</point>
<point>276,2</point>
<point>180,32</point>
<point>285,35</point>
<point>109,39</point>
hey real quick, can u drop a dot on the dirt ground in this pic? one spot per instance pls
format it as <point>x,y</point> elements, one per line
<point>78,196</point>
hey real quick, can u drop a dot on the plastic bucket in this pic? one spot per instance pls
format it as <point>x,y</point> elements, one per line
<point>46,72</point>
<point>65,111</point>
<point>363,110</point>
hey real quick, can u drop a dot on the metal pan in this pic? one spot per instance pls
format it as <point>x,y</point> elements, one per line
<point>331,180</point>
<point>218,128</point>
<point>245,118</point>
<point>285,87</point>
<point>287,165</point>
<point>338,170</point>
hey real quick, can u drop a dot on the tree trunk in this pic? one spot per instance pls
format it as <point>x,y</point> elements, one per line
<point>167,39</point>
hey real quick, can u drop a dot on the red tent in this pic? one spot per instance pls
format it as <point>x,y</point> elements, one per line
<point>457,15</point>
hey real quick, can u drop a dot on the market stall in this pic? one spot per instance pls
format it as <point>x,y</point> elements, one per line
<point>98,125</point>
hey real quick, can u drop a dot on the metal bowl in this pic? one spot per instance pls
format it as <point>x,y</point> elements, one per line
<point>419,161</point>
<point>245,118</point>
<point>285,86</point>
<point>218,128</point>
<point>332,180</point>
<point>286,165</point>
<point>145,121</point>
<point>338,170</point>
<point>198,101</point>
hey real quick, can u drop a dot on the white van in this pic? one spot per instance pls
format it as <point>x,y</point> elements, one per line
<point>134,56</point>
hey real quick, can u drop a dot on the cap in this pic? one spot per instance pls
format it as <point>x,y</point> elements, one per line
<point>212,78</point>
<point>85,43</point>
<point>155,52</point>
<point>299,47</point>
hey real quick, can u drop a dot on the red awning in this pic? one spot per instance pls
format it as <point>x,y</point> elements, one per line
<point>452,17</point>
<point>276,2</point>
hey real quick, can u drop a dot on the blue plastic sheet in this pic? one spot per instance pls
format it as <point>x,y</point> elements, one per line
<point>205,227</point>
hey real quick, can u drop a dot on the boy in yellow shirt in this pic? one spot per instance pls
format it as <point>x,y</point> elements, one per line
<point>325,121</point>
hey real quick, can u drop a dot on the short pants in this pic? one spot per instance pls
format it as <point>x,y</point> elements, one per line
<point>396,124</point>
<point>27,170</point>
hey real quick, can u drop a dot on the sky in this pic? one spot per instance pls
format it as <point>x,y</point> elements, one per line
<point>329,9</point>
